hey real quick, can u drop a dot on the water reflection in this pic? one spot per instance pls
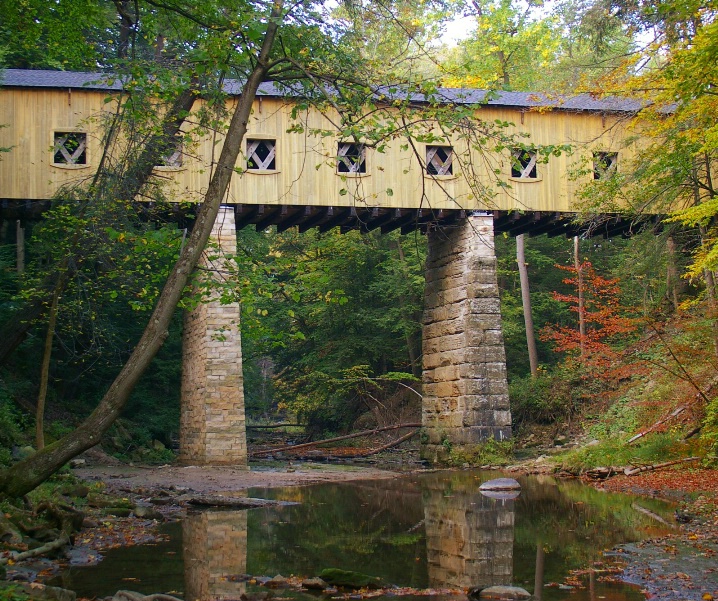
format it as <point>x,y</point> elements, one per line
<point>434,530</point>
<point>469,537</point>
<point>215,551</point>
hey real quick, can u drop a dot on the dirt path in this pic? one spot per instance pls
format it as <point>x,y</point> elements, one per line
<point>207,480</point>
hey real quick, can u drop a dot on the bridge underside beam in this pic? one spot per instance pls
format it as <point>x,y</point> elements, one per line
<point>366,219</point>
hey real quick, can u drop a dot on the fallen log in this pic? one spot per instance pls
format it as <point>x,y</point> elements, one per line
<point>335,439</point>
<point>649,513</point>
<point>602,473</point>
<point>393,443</point>
<point>660,422</point>
<point>235,502</point>
<point>632,471</point>
<point>53,545</point>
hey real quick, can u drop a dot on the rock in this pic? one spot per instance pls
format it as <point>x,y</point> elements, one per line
<point>75,463</point>
<point>148,512</point>
<point>500,484</point>
<point>278,581</point>
<point>348,579</point>
<point>256,596</point>
<point>39,591</point>
<point>118,512</point>
<point>76,490</point>
<point>560,440</point>
<point>314,584</point>
<point>501,494</point>
<point>593,443</point>
<point>504,592</point>
<point>158,445</point>
<point>89,523</point>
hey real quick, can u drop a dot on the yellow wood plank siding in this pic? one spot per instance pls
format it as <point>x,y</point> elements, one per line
<point>305,164</point>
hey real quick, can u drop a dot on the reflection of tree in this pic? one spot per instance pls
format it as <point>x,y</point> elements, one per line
<point>574,523</point>
<point>469,537</point>
<point>215,547</point>
<point>372,527</point>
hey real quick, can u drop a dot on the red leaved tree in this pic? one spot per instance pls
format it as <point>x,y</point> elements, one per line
<point>596,302</point>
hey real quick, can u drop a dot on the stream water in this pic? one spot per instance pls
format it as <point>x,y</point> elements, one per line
<point>432,530</point>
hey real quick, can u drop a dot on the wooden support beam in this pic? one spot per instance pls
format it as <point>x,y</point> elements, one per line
<point>298,217</point>
<point>400,222</point>
<point>339,218</point>
<point>270,218</point>
<point>377,222</point>
<point>248,216</point>
<point>315,219</point>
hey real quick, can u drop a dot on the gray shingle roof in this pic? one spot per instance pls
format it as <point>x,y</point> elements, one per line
<point>521,100</point>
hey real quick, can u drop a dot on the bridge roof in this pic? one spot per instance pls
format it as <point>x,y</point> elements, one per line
<point>31,78</point>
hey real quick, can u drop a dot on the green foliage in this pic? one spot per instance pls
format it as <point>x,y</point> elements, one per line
<point>614,451</point>
<point>491,452</point>
<point>544,399</point>
<point>12,592</point>
<point>710,432</point>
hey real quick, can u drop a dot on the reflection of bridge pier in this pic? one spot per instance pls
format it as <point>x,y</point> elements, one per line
<point>469,537</point>
<point>215,547</point>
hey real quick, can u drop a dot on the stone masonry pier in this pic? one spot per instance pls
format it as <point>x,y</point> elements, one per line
<point>465,389</point>
<point>212,424</point>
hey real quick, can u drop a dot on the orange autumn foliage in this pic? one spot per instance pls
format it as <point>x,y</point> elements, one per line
<point>607,322</point>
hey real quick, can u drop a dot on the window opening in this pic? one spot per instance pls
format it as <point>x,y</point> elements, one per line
<point>261,154</point>
<point>351,158</point>
<point>523,165</point>
<point>604,164</point>
<point>439,160</point>
<point>174,155</point>
<point>70,148</point>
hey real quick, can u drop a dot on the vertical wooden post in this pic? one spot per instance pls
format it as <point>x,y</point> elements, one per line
<point>526,303</point>
<point>20,252</point>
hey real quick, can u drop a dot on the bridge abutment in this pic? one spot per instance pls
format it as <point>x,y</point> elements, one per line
<point>212,423</point>
<point>465,389</point>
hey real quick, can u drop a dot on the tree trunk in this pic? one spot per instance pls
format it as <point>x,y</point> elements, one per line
<point>24,476</point>
<point>45,372</point>
<point>526,303</point>
<point>15,329</point>
<point>20,247</point>
<point>414,355</point>
<point>581,297</point>
<point>672,280</point>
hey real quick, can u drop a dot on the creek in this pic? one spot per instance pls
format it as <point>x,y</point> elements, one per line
<point>432,530</point>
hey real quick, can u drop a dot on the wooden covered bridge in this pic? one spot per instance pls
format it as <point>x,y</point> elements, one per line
<point>52,125</point>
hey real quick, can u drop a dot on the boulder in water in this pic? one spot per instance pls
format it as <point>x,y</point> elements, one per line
<point>500,484</point>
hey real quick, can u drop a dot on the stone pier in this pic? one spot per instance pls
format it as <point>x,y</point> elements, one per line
<point>212,426</point>
<point>465,389</point>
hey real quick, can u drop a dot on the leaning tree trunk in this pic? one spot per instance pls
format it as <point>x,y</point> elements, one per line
<point>29,473</point>
<point>526,303</point>
<point>45,371</point>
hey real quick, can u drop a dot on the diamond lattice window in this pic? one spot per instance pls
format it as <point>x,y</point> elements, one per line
<point>351,158</point>
<point>261,154</point>
<point>604,164</point>
<point>174,157</point>
<point>70,148</point>
<point>439,160</point>
<point>523,165</point>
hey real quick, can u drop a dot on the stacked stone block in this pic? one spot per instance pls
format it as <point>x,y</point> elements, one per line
<point>212,425</point>
<point>465,389</point>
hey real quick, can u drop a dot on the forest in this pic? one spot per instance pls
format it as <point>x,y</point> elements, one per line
<point>625,335</point>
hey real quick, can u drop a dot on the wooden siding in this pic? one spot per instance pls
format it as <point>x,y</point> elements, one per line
<point>306,170</point>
